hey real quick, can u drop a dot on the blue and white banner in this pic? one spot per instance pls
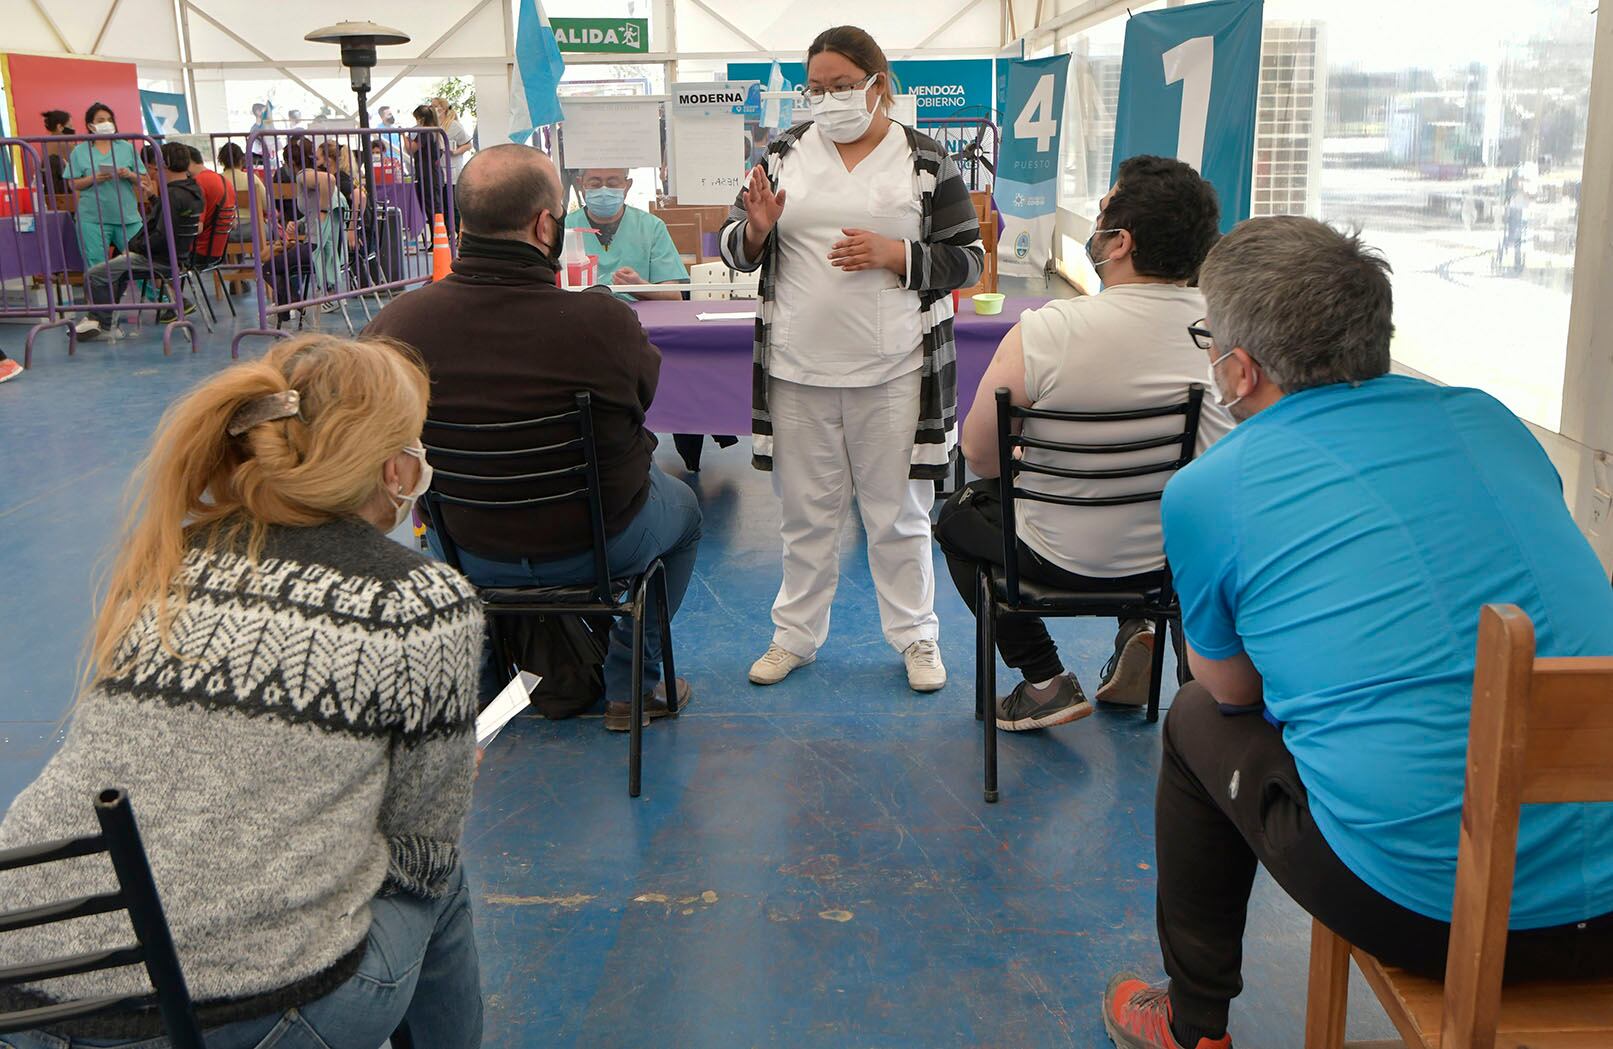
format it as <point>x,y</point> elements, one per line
<point>165,112</point>
<point>944,88</point>
<point>1028,164</point>
<point>1188,83</point>
<point>535,88</point>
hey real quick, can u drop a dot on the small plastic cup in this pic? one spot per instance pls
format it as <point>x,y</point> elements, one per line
<point>988,303</point>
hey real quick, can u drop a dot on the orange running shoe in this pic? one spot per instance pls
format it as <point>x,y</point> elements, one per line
<point>1138,1016</point>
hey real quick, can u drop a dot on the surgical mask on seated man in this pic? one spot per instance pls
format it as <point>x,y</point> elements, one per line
<point>605,201</point>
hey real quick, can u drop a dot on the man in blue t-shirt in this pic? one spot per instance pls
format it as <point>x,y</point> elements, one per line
<point>1332,554</point>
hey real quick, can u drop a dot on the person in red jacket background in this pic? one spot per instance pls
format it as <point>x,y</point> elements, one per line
<point>218,209</point>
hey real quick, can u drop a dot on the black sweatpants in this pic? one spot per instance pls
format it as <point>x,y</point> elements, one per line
<point>1229,798</point>
<point>970,531</point>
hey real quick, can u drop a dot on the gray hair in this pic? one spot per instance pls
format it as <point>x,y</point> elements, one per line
<point>1310,303</point>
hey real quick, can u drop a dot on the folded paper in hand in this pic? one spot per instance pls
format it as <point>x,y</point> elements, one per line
<point>515,697</point>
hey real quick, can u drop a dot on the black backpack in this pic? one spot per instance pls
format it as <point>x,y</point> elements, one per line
<point>568,652</point>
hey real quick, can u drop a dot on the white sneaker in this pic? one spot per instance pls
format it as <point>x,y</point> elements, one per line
<point>924,670</point>
<point>775,665</point>
<point>88,328</point>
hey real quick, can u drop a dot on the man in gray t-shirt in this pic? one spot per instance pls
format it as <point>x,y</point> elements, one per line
<point>1126,348</point>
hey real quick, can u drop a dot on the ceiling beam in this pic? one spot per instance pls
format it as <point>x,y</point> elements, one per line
<point>105,22</point>
<point>271,63</point>
<point>428,52</point>
<point>55,29</point>
<point>968,6</point>
<point>726,24</point>
<point>182,26</point>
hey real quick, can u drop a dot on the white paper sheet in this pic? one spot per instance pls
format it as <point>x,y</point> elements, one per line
<point>708,154</point>
<point>612,135</point>
<point>748,315</point>
<point>515,697</point>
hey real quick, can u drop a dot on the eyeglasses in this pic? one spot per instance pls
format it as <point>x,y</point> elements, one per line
<point>1201,335</point>
<point>839,94</point>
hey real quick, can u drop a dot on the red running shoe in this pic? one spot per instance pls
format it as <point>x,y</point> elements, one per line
<point>1138,1016</point>
<point>9,369</point>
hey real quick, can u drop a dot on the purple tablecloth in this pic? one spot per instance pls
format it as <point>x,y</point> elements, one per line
<point>706,365</point>
<point>22,254</point>
<point>402,195</point>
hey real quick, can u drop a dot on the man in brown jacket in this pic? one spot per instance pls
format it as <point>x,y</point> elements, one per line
<point>503,343</point>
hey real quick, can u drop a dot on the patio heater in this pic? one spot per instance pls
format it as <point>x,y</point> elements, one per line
<point>358,42</point>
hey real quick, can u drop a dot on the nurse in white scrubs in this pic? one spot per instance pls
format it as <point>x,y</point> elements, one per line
<point>861,227</point>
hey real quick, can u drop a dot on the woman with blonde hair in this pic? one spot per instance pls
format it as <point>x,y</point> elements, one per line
<point>288,697</point>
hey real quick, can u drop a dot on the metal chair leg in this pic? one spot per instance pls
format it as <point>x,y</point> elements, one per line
<point>201,295</point>
<point>990,697</point>
<point>1156,673</point>
<point>982,602</point>
<point>669,671</point>
<point>635,729</point>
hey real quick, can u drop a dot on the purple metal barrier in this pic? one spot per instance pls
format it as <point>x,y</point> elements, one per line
<point>27,254</point>
<point>345,227</point>
<point>121,201</point>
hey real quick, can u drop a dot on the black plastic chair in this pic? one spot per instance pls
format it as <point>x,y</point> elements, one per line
<point>605,596</point>
<point>1000,590</point>
<point>137,894</point>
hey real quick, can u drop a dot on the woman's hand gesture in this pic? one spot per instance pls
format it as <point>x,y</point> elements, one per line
<point>762,206</point>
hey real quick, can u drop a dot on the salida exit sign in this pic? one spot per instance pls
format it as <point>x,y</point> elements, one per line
<point>602,35</point>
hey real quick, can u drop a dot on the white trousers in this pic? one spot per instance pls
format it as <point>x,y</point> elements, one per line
<point>828,445</point>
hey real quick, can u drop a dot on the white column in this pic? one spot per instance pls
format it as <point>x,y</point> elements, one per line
<point>1581,452</point>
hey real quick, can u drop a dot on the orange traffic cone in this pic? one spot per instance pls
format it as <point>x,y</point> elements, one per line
<point>442,262</point>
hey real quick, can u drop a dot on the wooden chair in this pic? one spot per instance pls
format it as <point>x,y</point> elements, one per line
<point>231,275</point>
<point>988,240</point>
<point>714,216</point>
<point>1541,733</point>
<point>688,236</point>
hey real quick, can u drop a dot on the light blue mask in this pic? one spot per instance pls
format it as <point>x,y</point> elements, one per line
<point>605,201</point>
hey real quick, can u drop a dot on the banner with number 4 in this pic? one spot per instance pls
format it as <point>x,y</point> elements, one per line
<point>1188,83</point>
<point>1028,167</point>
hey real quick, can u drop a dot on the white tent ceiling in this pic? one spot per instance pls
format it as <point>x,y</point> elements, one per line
<point>262,33</point>
<point>205,43</point>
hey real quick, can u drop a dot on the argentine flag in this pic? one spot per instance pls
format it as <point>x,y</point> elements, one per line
<point>534,92</point>
<point>778,113</point>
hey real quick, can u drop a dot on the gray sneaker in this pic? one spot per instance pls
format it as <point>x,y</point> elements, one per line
<point>1125,677</point>
<point>1019,711</point>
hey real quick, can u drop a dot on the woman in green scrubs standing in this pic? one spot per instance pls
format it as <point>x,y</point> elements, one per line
<point>106,175</point>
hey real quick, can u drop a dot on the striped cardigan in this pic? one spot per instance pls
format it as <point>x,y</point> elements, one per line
<point>948,255</point>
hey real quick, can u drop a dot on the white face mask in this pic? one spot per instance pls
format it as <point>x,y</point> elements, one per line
<point>404,503</point>
<point>844,120</point>
<point>105,127</point>
<point>1215,384</point>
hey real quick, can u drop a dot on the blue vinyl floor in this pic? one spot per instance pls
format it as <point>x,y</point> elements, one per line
<point>810,865</point>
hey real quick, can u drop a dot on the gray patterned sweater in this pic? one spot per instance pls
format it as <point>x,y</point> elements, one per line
<point>309,747</point>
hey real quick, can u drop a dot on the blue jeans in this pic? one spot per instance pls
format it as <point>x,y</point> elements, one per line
<point>668,527</point>
<point>419,965</point>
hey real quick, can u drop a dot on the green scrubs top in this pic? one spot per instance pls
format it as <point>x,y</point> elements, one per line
<point>641,242</point>
<point>113,202</point>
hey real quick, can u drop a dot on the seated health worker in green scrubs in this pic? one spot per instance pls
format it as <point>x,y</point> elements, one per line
<point>633,246</point>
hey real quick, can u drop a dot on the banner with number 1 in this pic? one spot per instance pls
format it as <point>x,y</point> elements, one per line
<point>1028,165</point>
<point>1188,83</point>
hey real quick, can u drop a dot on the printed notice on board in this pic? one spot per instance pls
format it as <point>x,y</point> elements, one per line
<point>612,135</point>
<point>709,157</point>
